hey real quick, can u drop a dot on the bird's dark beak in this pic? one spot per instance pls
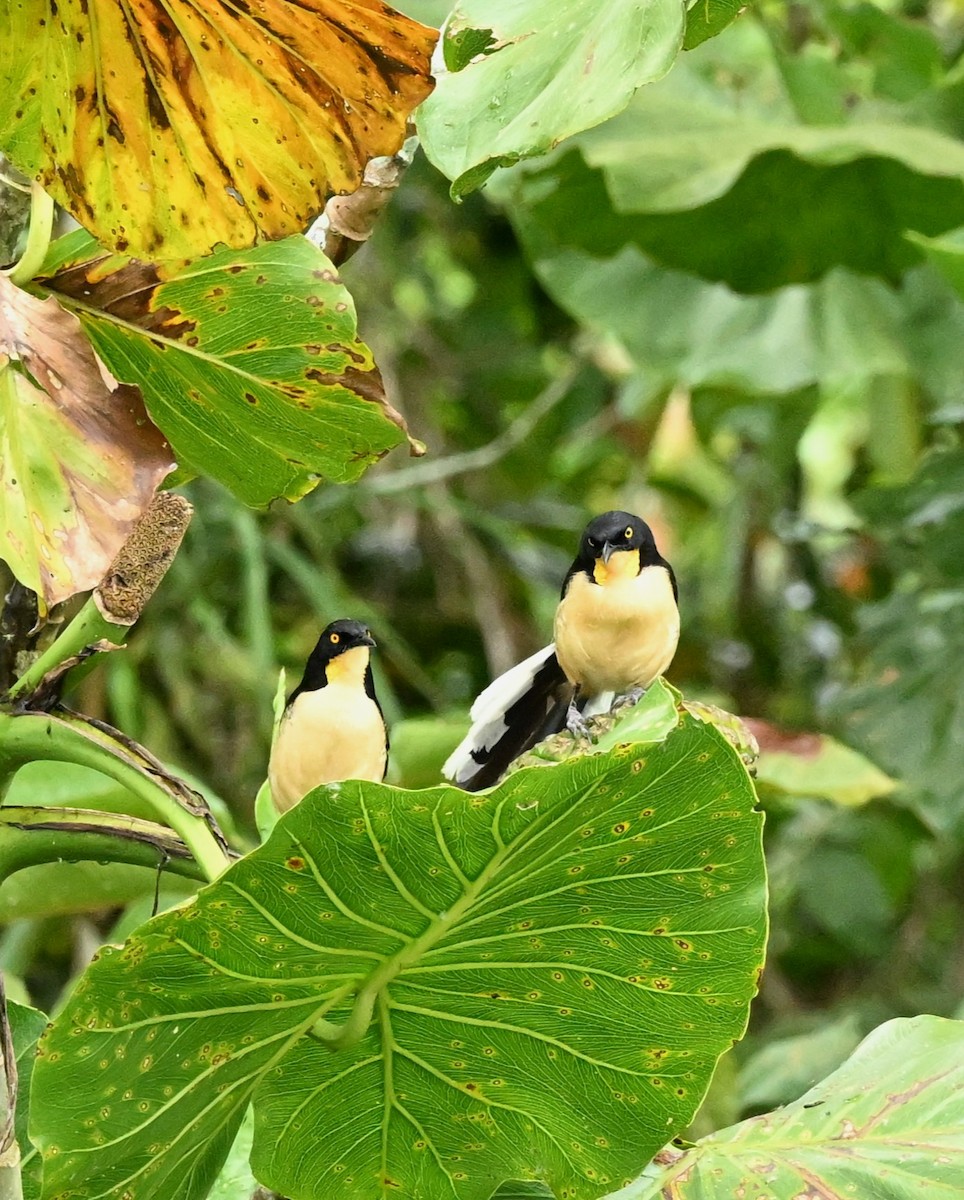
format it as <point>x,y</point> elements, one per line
<point>367,640</point>
<point>607,551</point>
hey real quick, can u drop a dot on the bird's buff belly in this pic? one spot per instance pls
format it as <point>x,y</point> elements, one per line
<point>618,636</point>
<point>328,735</point>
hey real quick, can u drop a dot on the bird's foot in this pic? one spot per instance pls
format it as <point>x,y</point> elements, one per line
<point>576,723</point>
<point>626,700</point>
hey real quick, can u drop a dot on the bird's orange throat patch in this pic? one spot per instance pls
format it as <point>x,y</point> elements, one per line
<point>349,667</point>
<point>623,564</point>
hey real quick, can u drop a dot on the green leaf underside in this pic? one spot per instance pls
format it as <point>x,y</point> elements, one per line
<point>168,129</point>
<point>707,18</point>
<point>889,1124</point>
<point>553,969</point>
<point>26,1026</point>
<point>541,79</point>
<point>249,361</point>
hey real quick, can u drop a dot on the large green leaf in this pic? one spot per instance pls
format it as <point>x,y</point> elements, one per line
<point>784,1066</point>
<point>524,74</point>
<point>249,361</point>
<point>681,144</point>
<point>167,129</point>
<point>533,982</point>
<point>679,330</point>
<point>889,1124</point>
<point>235,1181</point>
<point>922,520</point>
<point>712,171</point>
<point>79,462</point>
<point>905,706</point>
<point>843,330</point>
<point>26,1026</point>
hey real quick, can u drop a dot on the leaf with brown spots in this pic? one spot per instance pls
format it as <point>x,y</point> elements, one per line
<point>815,764</point>
<point>169,126</point>
<point>79,460</point>
<point>249,361</point>
<point>431,988</point>
<point>888,1124</point>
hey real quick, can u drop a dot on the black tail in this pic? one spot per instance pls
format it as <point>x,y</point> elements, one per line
<point>491,745</point>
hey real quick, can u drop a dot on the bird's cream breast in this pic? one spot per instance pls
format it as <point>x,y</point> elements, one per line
<point>331,734</point>
<point>617,635</point>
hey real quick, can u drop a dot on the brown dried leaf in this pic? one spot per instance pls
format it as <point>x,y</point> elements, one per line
<point>79,461</point>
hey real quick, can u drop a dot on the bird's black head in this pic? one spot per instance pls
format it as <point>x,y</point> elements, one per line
<point>340,636</point>
<point>611,532</point>
<point>336,639</point>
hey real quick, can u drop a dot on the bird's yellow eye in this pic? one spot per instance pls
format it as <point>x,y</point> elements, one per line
<point>628,531</point>
<point>334,638</point>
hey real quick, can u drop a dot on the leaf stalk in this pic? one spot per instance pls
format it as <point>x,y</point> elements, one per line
<point>31,835</point>
<point>25,737</point>
<point>38,237</point>
<point>86,629</point>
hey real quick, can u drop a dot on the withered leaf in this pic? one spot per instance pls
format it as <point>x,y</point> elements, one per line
<point>79,460</point>
<point>169,126</point>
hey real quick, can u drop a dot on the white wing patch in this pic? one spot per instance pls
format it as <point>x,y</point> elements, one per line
<point>488,714</point>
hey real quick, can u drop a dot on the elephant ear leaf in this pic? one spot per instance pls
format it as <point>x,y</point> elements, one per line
<point>166,129</point>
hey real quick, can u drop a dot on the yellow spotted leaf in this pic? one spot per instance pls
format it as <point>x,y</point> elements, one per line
<point>169,126</point>
<point>79,459</point>
<point>248,360</point>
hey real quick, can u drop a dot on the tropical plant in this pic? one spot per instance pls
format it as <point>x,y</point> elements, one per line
<point>730,310</point>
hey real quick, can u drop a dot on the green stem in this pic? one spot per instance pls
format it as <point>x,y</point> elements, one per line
<point>26,737</point>
<point>343,1037</point>
<point>38,237</point>
<point>86,629</point>
<point>33,835</point>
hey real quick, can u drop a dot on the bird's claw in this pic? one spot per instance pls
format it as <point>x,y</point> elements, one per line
<point>576,723</point>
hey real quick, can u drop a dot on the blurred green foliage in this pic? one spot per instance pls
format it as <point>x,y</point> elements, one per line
<point>734,310</point>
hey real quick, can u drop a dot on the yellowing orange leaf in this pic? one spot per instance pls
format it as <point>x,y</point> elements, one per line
<point>169,126</point>
<point>79,461</point>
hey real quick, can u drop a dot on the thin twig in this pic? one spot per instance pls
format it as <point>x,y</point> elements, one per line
<point>438,470</point>
<point>489,603</point>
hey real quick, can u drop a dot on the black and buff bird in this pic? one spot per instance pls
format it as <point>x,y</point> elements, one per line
<point>332,727</point>
<point>615,630</point>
